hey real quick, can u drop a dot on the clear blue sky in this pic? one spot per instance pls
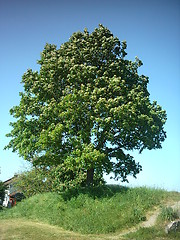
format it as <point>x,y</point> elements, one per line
<point>152,31</point>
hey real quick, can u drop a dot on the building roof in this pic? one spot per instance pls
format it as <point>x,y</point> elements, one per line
<point>10,180</point>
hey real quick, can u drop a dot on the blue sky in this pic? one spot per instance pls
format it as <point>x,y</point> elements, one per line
<point>152,31</point>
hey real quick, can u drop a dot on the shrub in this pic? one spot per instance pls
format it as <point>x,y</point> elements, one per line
<point>32,182</point>
<point>2,192</point>
<point>55,179</point>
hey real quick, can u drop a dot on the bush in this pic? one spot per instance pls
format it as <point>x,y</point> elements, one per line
<point>55,179</point>
<point>2,192</point>
<point>32,182</point>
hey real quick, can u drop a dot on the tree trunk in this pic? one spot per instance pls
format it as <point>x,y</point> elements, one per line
<point>90,175</point>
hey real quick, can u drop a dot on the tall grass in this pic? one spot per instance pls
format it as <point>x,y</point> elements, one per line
<point>168,214</point>
<point>114,209</point>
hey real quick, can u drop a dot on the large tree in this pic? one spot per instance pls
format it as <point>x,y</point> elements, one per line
<point>86,107</point>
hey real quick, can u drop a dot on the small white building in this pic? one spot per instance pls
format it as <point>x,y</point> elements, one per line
<point>11,194</point>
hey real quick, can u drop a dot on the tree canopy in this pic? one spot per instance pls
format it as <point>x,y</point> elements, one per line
<point>86,107</point>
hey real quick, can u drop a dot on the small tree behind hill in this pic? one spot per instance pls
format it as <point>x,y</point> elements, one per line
<point>85,108</point>
<point>2,191</point>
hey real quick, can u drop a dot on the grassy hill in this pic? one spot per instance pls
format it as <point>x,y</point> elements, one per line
<point>102,211</point>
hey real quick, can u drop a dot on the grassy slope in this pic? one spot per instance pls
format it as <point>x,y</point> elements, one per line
<point>103,211</point>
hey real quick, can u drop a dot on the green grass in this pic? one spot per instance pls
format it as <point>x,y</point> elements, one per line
<point>156,232</point>
<point>20,229</point>
<point>167,214</point>
<point>100,211</point>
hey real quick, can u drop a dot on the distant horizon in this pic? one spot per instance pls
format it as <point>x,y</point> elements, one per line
<point>109,181</point>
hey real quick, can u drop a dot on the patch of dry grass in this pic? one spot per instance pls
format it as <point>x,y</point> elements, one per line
<point>28,230</point>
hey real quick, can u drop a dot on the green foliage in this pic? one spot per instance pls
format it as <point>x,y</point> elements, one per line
<point>57,179</point>
<point>101,210</point>
<point>85,107</point>
<point>32,182</point>
<point>2,191</point>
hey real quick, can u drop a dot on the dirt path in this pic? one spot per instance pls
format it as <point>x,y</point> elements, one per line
<point>152,219</point>
<point>150,222</point>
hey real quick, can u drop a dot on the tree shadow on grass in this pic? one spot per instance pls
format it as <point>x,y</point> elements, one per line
<point>95,192</point>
